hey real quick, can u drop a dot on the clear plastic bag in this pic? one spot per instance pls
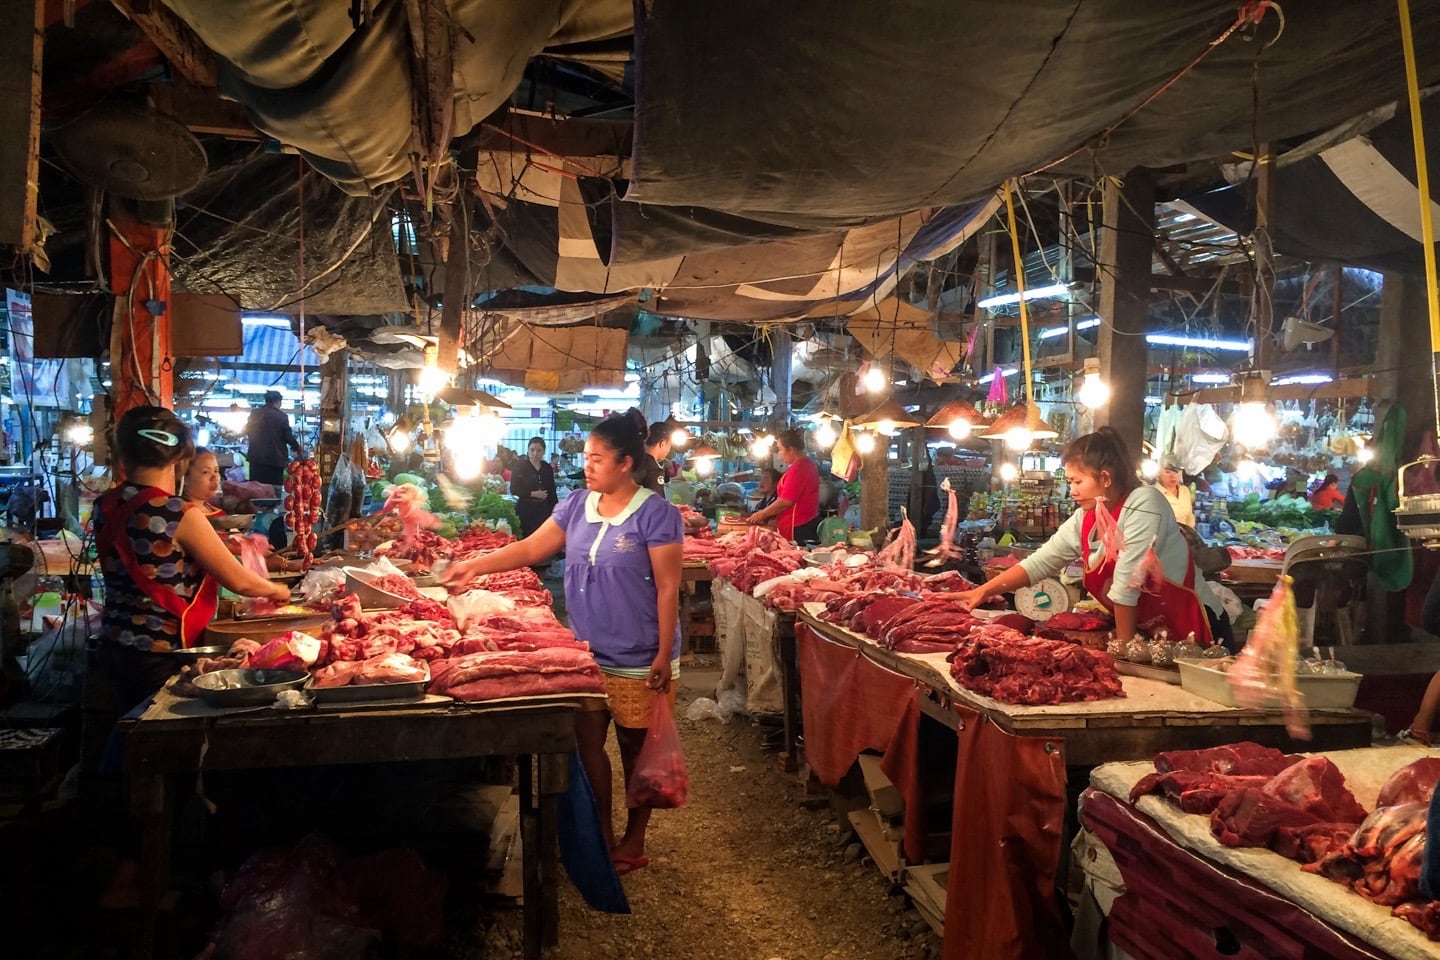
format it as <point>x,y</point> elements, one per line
<point>660,780</point>
<point>703,708</point>
<point>254,548</point>
<point>322,585</point>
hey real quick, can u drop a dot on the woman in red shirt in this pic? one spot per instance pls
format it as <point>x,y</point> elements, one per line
<point>1328,496</point>
<point>796,510</point>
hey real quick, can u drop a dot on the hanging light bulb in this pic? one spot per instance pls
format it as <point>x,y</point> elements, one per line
<point>1365,454</point>
<point>886,427</point>
<point>679,437</point>
<point>1252,425</point>
<point>1019,438</point>
<point>874,380</point>
<point>705,466</point>
<point>399,437</point>
<point>761,446</point>
<point>825,435</point>
<point>865,442</point>
<point>1149,468</point>
<point>1092,392</point>
<point>960,428</point>
<point>1008,472</point>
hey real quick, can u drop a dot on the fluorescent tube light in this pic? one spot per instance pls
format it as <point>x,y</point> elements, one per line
<point>1201,343</point>
<point>1004,373</point>
<point>1303,378</point>
<point>265,320</point>
<point>1218,379</point>
<point>1035,293</point>
<point>1089,323</point>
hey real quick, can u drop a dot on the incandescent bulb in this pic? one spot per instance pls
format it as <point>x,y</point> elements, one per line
<point>467,463</point>
<point>1018,438</point>
<point>825,436</point>
<point>1093,392</point>
<point>865,441</point>
<point>432,380</point>
<point>1252,426</point>
<point>704,466</point>
<point>679,438</point>
<point>1149,469</point>
<point>960,428</point>
<point>886,427</point>
<point>874,380</point>
<point>1008,472</point>
<point>1365,454</point>
<point>400,441</point>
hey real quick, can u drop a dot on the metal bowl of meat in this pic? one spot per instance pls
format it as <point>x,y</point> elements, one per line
<point>247,688</point>
<point>233,521</point>
<point>191,654</point>
<point>380,592</point>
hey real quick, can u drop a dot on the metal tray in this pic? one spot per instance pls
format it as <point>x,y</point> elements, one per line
<point>246,688</point>
<point>368,692</point>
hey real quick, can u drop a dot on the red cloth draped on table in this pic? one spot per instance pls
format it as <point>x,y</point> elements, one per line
<point>852,705</point>
<point>1008,822</point>
<point>1178,904</point>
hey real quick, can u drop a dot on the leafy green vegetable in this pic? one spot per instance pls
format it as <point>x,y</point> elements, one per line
<point>492,506</point>
<point>414,478</point>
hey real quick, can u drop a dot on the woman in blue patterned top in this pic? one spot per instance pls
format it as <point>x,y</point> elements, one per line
<point>162,563</point>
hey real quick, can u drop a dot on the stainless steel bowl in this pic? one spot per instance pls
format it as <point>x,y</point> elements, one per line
<point>247,688</point>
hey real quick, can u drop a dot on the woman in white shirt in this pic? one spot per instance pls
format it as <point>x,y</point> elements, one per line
<point>1182,501</point>
<point>1102,477</point>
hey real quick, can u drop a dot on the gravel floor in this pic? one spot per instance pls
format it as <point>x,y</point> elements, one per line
<point>746,871</point>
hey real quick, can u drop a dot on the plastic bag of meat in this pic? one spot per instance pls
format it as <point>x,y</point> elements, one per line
<point>253,550</point>
<point>660,781</point>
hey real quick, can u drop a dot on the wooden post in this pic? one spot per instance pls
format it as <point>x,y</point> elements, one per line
<point>875,486</point>
<point>140,337</point>
<point>457,286</point>
<point>1126,241</point>
<point>334,392</point>
<point>23,22</point>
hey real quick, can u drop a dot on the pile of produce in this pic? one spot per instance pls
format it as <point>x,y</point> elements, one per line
<point>1300,808</point>
<point>302,506</point>
<point>1290,514</point>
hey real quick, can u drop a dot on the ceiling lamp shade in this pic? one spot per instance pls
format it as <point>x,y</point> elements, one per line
<point>1019,426</point>
<point>460,397</point>
<point>704,452</point>
<point>887,418</point>
<point>961,419</point>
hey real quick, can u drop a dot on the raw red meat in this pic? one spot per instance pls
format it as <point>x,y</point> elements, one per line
<point>1250,818</point>
<point>525,685</point>
<point>1310,844</point>
<point>1195,791</point>
<point>1318,787</point>
<point>1084,622</point>
<point>1398,879</point>
<point>1376,840</point>
<point>398,584</point>
<point>390,668</point>
<point>1412,783</point>
<point>1239,759</point>
<point>1424,916</point>
<point>338,674</point>
<point>1001,663</point>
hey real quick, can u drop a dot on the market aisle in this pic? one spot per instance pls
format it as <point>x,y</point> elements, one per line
<point>744,872</point>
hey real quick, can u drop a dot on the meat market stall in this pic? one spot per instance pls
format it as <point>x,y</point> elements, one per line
<point>1014,765</point>
<point>1268,871</point>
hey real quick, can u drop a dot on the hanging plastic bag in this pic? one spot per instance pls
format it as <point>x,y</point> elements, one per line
<point>254,548</point>
<point>1265,669</point>
<point>844,458</point>
<point>1149,573</point>
<point>660,780</point>
<point>1111,539</point>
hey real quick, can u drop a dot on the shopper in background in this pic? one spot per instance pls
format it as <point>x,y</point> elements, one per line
<point>532,481</point>
<point>796,510</point>
<point>1171,482</point>
<point>623,546</point>
<point>765,490</point>
<point>1328,496</point>
<point>202,483</point>
<point>653,474</point>
<point>270,440</point>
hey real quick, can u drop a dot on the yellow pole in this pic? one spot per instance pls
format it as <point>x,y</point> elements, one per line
<point>1422,180</point>
<point>1020,289</point>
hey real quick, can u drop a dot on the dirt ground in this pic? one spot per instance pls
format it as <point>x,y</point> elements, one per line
<point>750,869</point>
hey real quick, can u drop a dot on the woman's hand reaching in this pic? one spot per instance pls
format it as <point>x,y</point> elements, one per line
<point>460,573</point>
<point>278,592</point>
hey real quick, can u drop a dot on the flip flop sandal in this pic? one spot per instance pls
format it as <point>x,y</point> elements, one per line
<point>624,865</point>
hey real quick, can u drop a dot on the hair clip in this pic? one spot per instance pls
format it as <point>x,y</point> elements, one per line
<point>161,437</point>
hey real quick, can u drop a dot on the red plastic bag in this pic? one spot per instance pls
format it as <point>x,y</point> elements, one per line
<point>660,781</point>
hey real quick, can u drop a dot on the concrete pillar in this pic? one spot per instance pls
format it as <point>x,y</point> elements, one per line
<point>1126,245</point>
<point>782,350</point>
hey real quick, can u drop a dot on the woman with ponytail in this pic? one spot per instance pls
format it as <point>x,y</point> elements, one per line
<point>623,546</point>
<point>1118,522</point>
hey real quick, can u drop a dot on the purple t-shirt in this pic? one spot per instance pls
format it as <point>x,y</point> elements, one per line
<point>609,584</point>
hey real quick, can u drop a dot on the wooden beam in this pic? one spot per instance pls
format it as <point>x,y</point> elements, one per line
<point>190,58</point>
<point>1336,390</point>
<point>457,285</point>
<point>1125,258</point>
<point>22,25</point>
<point>202,110</point>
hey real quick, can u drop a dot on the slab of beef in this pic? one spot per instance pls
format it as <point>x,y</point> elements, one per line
<point>486,676</point>
<point>1424,915</point>
<point>1250,818</point>
<point>880,611</point>
<point>1318,787</point>
<point>1412,783</point>
<point>1236,759</point>
<point>525,685</point>
<point>1312,843</point>
<point>1001,663</point>
<point>1196,791</point>
<point>1373,844</point>
<point>926,621</point>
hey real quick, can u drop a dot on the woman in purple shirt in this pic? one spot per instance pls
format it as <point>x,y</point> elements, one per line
<point>623,546</point>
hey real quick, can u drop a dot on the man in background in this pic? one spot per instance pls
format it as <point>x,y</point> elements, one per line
<point>270,440</point>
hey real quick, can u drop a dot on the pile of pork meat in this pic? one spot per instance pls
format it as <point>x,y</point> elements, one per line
<point>498,639</point>
<point>1301,808</point>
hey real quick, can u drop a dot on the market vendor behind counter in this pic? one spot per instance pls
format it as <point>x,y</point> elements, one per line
<point>1119,522</point>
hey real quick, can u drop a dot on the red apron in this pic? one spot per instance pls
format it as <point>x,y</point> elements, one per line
<point>1176,603</point>
<point>194,615</point>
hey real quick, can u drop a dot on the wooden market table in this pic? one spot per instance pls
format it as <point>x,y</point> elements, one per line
<point>692,573</point>
<point>175,738</point>
<point>1017,769</point>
